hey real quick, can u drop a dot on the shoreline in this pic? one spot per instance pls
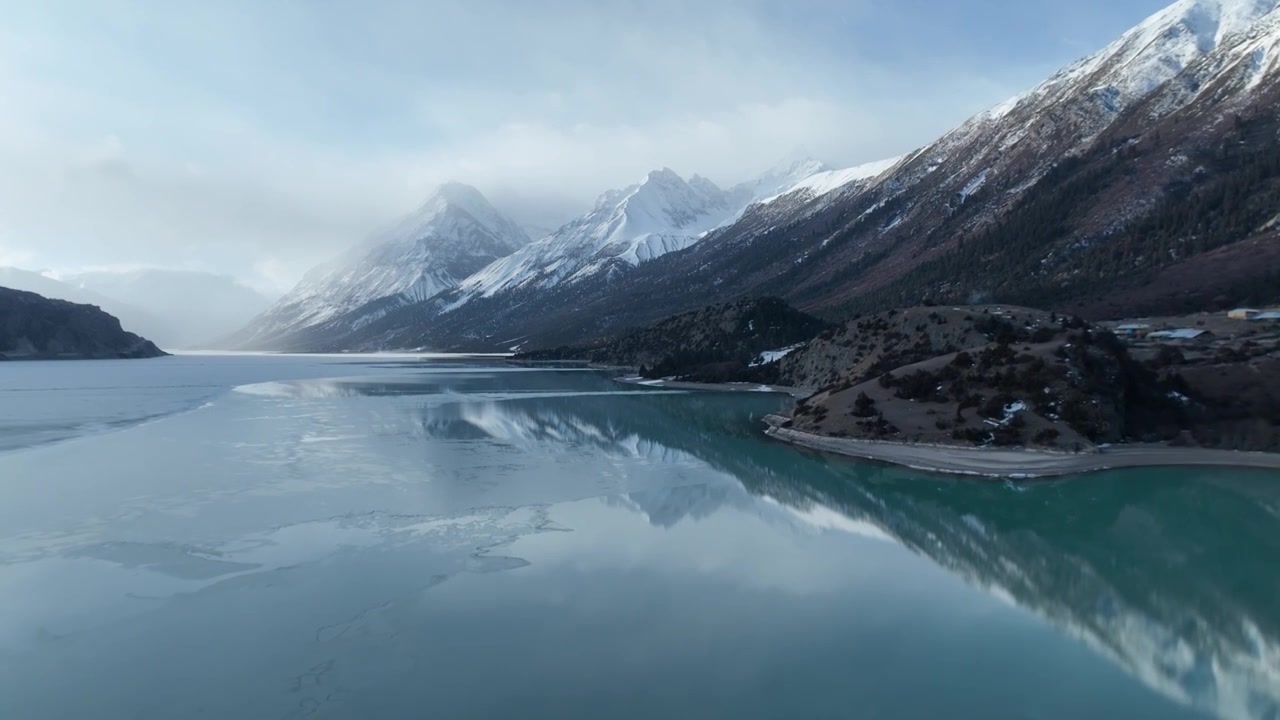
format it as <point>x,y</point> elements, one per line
<point>794,392</point>
<point>1021,463</point>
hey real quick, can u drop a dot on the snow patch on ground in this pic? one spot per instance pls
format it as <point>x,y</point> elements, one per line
<point>974,185</point>
<point>772,356</point>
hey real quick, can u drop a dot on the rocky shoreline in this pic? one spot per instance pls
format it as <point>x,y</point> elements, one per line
<point>1018,463</point>
<point>1015,463</point>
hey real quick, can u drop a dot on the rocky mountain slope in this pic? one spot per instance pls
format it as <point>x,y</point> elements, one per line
<point>1132,162</point>
<point>455,233</point>
<point>1107,182</point>
<point>33,327</point>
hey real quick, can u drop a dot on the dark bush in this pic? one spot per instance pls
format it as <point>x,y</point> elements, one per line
<point>864,407</point>
<point>1043,335</point>
<point>919,385</point>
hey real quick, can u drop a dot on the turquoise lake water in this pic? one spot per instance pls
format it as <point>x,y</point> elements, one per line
<point>277,537</point>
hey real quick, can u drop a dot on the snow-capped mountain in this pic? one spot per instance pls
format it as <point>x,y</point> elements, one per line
<point>661,214</point>
<point>1070,110</point>
<point>1022,203</point>
<point>452,235</point>
<point>1078,194</point>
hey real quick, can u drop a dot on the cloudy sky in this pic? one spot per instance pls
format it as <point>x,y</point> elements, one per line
<point>257,138</point>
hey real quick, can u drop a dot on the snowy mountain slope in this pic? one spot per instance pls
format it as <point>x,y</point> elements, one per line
<point>1187,78</point>
<point>1014,144</point>
<point>453,234</point>
<point>828,181</point>
<point>1086,186</point>
<point>777,180</point>
<point>661,214</point>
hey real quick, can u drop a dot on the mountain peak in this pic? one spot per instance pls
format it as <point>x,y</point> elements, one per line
<point>786,174</point>
<point>459,195</point>
<point>454,233</point>
<point>666,176</point>
<point>704,186</point>
<point>431,217</point>
<point>798,164</point>
<point>1162,46</point>
<point>458,192</point>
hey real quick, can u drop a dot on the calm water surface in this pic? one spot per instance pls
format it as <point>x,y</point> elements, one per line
<point>239,537</point>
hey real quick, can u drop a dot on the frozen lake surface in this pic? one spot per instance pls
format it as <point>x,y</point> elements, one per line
<point>346,537</point>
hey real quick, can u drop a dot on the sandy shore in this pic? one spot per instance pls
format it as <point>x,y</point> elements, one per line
<point>1020,463</point>
<point>715,387</point>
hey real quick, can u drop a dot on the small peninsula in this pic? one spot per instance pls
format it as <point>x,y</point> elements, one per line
<point>33,327</point>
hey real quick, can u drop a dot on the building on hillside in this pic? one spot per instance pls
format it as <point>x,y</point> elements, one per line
<point>1131,329</point>
<point>1180,334</point>
<point>1272,315</point>
<point>1243,313</point>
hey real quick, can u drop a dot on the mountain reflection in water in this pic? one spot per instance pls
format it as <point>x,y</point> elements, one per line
<point>1169,573</point>
<point>415,540</point>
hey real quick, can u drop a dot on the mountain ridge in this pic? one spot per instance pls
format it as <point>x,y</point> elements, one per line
<point>1076,190</point>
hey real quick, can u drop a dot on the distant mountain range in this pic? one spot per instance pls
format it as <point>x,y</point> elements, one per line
<point>458,247</point>
<point>177,309</point>
<point>1142,179</point>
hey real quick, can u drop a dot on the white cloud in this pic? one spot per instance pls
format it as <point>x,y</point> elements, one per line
<point>260,138</point>
<point>12,257</point>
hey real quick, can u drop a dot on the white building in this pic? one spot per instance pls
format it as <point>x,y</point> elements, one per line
<point>1178,334</point>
